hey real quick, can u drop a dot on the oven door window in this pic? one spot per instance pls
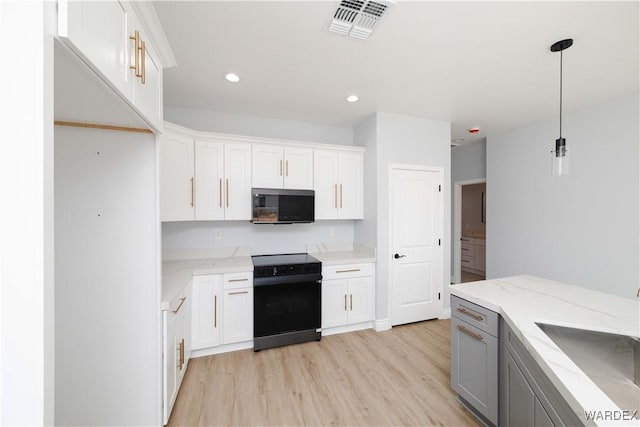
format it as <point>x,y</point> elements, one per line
<point>281,308</point>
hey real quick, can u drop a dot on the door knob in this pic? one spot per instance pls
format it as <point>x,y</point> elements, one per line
<point>396,256</point>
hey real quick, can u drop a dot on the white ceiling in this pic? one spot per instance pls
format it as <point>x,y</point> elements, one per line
<point>484,64</point>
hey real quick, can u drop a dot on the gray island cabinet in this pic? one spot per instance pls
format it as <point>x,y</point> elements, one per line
<point>474,358</point>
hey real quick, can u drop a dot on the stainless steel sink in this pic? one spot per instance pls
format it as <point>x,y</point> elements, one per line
<point>611,361</point>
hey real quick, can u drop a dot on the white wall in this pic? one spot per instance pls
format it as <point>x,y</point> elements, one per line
<point>408,140</point>
<point>261,238</point>
<point>582,228</point>
<point>215,121</point>
<point>365,135</point>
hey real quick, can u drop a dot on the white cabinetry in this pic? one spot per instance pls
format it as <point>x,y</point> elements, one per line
<point>282,167</point>
<point>176,178</point>
<point>473,257</point>
<point>347,295</point>
<point>338,183</point>
<point>206,311</point>
<point>108,37</point>
<point>238,308</point>
<point>176,349</point>
<point>222,181</point>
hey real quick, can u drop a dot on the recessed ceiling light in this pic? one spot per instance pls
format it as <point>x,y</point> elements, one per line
<point>352,98</point>
<point>233,78</point>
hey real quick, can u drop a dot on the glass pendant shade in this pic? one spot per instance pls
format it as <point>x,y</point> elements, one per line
<point>560,158</point>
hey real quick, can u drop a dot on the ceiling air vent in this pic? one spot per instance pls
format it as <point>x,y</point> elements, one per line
<point>358,18</point>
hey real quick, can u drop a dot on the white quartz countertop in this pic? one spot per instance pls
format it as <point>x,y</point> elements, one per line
<point>341,254</point>
<point>176,274</point>
<point>524,301</point>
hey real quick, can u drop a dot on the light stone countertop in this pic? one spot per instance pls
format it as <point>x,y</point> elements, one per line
<point>342,253</point>
<point>524,301</point>
<point>178,271</point>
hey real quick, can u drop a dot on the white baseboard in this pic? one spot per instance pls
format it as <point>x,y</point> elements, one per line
<point>382,325</point>
<point>347,328</point>
<point>225,348</point>
<point>446,313</point>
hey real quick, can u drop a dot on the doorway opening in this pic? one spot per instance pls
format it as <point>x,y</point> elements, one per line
<point>469,230</point>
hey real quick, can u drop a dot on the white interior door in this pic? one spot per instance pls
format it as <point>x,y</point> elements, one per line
<point>416,244</point>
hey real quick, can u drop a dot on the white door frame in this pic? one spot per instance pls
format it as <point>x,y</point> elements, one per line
<point>410,167</point>
<point>457,225</point>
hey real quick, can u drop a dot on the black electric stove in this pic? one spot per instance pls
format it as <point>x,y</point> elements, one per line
<point>287,300</point>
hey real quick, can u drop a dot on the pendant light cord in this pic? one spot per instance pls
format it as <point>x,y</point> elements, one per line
<point>560,94</point>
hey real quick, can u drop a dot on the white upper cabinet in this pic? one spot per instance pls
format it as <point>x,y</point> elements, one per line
<point>222,181</point>
<point>338,183</point>
<point>109,38</point>
<point>282,167</point>
<point>177,179</point>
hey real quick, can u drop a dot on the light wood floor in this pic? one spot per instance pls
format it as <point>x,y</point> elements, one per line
<point>393,378</point>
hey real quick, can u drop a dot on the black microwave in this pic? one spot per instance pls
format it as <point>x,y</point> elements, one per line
<point>277,206</point>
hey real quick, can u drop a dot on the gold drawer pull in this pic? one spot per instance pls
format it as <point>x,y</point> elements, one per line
<point>466,313</point>
<point>215,311</point>
<point>351,302</point>
<point>180,306</point>
<point>238,293</point>
<point>238,280</point>
<point>353,270</point>
<point>468,332</point>
<point>345,302</point>
<point>192,189</point>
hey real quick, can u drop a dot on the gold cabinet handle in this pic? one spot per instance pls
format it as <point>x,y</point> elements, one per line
<point>468,332</point>
<point>238,293</point>
<point>143,53</point>
<point>180,306</point>
<point>136,46</point>
<point>335,195</point>
<point>467,313</point>
<point>286,164</point>
<point>192,189</point>
<point>351,302</point>
<point>340,196</point>
<point>182,353</point>
<point>215,311</point>
<point>238,280</point>
<point>220,194</point>
<point>345,302</point>
<point>280,167</point>
<point>227,193</point>
<point>352,270</point>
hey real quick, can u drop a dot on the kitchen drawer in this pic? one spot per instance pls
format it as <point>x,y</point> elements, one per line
<point>467,240</point>
<point>238,280</point>
<point>467,249</point>
<point>347,271</point>
<point>468,261</point>
<point>475,315</point>
<point>480,242</point>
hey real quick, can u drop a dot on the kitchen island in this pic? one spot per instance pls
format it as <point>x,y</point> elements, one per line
<point>525,302</point>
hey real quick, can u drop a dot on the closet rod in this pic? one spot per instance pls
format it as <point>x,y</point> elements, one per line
<point>106,127</point>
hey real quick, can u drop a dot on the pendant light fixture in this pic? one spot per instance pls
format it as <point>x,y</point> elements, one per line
<point>560,156</point>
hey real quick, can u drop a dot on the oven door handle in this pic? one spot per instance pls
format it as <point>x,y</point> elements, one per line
<point>311,279</point>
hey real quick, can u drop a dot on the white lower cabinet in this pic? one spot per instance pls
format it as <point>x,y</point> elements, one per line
<point>347,295</point>
<point>238,308</point>
<point>206,312</point>
<point>176,349</point>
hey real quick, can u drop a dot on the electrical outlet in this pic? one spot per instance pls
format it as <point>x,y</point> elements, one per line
<point>332,231</point>
<point>217,233</point>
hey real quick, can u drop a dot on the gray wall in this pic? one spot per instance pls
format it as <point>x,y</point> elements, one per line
<point>263,239</point>
<point>408,140</point>
<point>215,121</point>
<point>583,228</point>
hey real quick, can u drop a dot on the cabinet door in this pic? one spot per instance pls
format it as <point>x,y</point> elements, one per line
<point>360,299</point>
<point>98,30</point>
<point>237,183</point>
<point>325,184</point>
<point>209,182</point>
<point>205,312</point>
<point>540,416</point>
<point>268,166</point>
<point>181,338</point>
<point>147,96</point>
<point>169,365</point>
<point>479,258</point>
<point>238,315</point>
<point>298,168</point>
<point>176,178</point>
<point>517,398</point>
<point>350,186</point>
<point>174,357</point>
<point>474,367</point>
<point>335,303</point>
